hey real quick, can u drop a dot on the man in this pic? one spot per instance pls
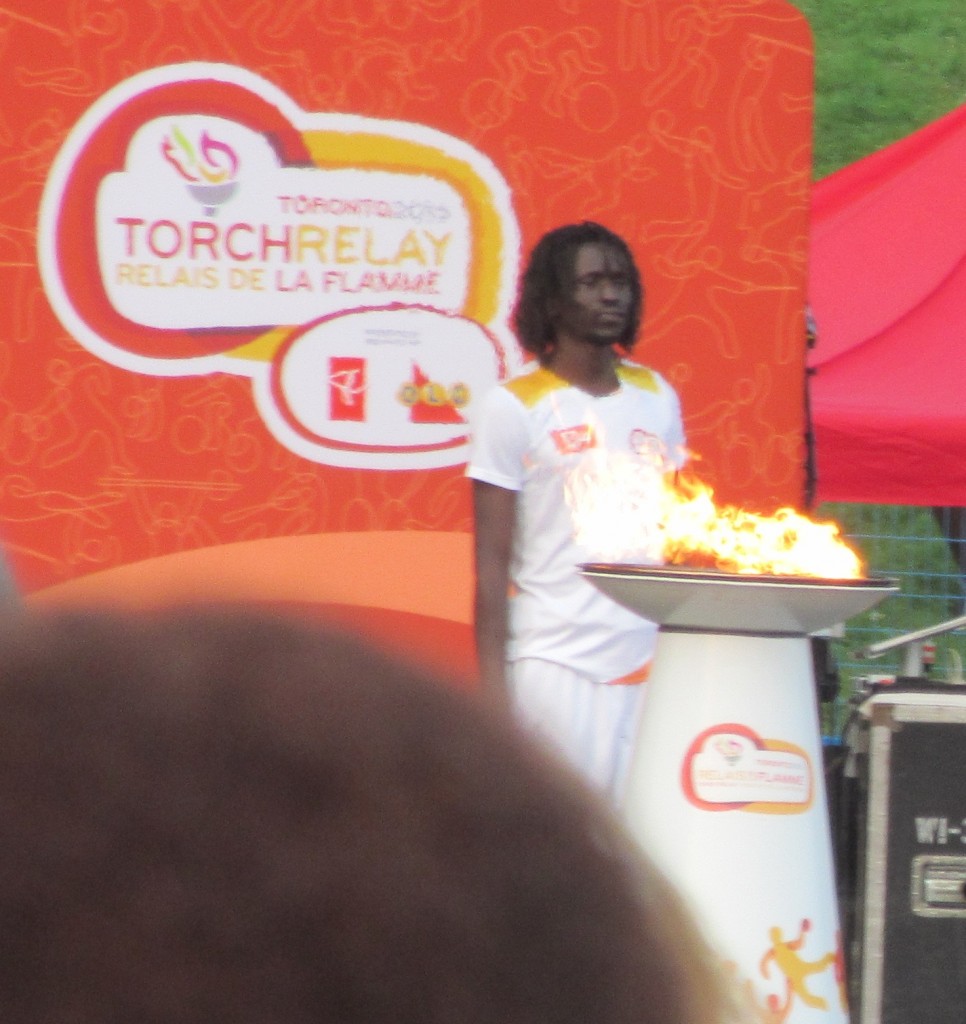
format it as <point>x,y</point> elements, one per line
<point>571,659</point>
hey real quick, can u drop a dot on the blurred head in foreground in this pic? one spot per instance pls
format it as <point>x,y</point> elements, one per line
<point>221,816</point>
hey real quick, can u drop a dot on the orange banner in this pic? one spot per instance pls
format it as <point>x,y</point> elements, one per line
<point>258,267</point>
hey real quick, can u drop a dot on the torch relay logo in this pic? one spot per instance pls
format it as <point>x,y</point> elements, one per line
<point>234,232</point>
<point>730,767</point>
<point>208,169</point>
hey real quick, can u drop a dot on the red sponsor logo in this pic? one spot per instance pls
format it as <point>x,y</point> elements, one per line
<point>347,388</point>
<point>574,440</point>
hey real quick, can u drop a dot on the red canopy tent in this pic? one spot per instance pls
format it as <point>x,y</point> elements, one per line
<point>888,293</point>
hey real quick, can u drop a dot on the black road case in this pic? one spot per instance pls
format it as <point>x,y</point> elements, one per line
<point>909,952</point>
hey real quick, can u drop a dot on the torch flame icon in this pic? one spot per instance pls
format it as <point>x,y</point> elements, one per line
<point>729,748</point>
<point>209,168</point>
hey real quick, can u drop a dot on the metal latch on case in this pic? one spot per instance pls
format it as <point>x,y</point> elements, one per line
<point>939,886</point>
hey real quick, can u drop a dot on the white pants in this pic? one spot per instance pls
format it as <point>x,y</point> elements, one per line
<point>591,724</point>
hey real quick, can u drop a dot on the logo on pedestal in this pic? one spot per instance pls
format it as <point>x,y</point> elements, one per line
<point>729,767</point>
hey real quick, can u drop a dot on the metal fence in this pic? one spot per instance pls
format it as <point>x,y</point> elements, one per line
<point>924,549</point>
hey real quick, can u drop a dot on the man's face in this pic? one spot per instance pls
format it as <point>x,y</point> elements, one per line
<point>602,294</point>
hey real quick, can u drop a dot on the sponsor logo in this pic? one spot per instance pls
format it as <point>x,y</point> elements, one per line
<point>347,388</point>
<point>429,401</point>
<point>574,440</point>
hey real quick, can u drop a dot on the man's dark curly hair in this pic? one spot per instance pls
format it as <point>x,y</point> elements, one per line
<point>548,280</point>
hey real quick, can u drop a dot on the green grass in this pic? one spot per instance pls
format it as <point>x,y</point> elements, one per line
<point>882,70</point>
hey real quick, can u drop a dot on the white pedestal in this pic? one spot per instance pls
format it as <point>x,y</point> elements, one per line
<point>726,792</point>
<point>727,784</point>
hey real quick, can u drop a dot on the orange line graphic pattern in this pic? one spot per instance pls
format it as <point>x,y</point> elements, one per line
<point>684,126</point>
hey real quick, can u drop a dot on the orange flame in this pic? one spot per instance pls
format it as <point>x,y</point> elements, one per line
<point>732,539</point>
<point>621,511</point>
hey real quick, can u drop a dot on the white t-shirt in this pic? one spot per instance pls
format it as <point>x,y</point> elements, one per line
<point>531,435</point>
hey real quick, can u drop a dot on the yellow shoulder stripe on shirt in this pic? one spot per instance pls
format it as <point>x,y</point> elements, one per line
<point>639,376</point>
<point>533,386</point>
